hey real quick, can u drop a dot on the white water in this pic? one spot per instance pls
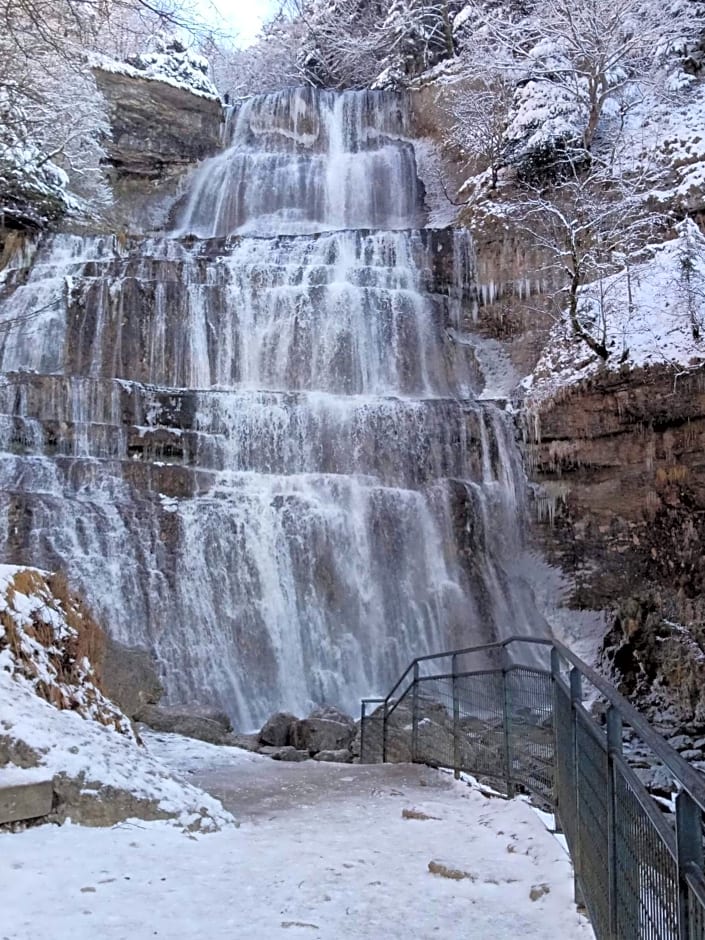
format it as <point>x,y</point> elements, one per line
<point>261,456</point>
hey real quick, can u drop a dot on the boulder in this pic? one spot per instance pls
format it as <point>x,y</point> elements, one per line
<point>681,742</point>
<point>248,742</point>
<point>180,720</point>
<point>287,753</point>
<point>342,756</point>
<point>319,734</point>
<point>91,803</point>
<point>207,711</point>
<point>129,677</point>
<point>331,713</point>
<point>277,730</point>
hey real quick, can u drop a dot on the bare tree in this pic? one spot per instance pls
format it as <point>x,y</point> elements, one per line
<point>478,110</point>
<point>593,49</point>
<point>691,282</point>
<point>588,227</point>
<point>52,118</point>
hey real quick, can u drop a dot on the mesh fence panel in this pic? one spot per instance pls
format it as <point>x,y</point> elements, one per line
<point>592,816</point>
<point>646,871</point>
<point>696,909</point>
<point>523,727</point>
<point>371,737</point>
<point>564,769</point>
<point>434,733</point>
<point>529,703</point>
<point>481,738</point>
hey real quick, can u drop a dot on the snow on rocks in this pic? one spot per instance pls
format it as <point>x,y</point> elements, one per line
<point>55,718</point>
<point>169,62</point>
<point>51,641</point>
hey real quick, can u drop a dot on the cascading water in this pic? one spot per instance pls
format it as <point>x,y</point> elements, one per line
<point>254,443</point>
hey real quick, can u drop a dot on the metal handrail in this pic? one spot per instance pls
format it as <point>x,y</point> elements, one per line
<point>619,898</point>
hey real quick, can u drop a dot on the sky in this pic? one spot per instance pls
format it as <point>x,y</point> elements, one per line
<point>242,18</point>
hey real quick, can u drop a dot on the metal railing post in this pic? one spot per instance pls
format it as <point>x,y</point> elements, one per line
<point>384,733</point>
<point>507,715</point>
<point>415,716</point>
<point>576,698</point>
<point>689,841</point>
<point>555,676</point>
<point>614,746</point>
<point>456,719</point>
<point>362,732</point>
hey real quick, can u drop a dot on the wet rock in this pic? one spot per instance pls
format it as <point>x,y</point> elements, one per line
<point>179,720</point>
<point>342,756</point>
<point>287,753</point>
<point>681,742</point>
<point>657,780</point>
<point>278,729</point>
<point>319,734</point>
<point>248,742</point>
<point>129,677</point>
<point>331,713</point>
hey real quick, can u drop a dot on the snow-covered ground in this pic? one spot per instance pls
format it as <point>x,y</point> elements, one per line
<point>346,861</point>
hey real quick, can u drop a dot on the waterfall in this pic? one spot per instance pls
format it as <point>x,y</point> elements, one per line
<point>254,442</point>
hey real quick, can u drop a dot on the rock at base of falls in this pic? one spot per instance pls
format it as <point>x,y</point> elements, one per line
<point>204,724</point>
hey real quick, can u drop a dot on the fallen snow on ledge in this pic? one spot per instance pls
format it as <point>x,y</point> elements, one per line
<point>155,69</point>
<point>656,329</point>
<point>351,865</point>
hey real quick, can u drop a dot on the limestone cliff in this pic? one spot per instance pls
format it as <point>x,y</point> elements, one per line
<point>159,131</point>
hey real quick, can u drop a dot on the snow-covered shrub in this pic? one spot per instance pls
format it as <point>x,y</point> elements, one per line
<point>171,60</point>
<point>418,35</point>
<point>33,189</point>
<point>545,128</point>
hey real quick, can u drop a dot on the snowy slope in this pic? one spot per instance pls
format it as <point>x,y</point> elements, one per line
<point>51,707</point>
<point>656,329</point>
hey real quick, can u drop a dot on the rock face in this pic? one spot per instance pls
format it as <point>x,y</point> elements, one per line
<point>159,131</point>
<point>621,460</point>
<point>660,665</point>
<point>158,128</point>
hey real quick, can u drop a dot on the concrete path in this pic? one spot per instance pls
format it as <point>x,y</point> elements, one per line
<point>266,789</point>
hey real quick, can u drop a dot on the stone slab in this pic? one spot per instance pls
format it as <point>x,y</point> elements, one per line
<point>26,800</point>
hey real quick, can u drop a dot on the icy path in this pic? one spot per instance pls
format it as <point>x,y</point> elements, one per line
<point>323,851</point>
